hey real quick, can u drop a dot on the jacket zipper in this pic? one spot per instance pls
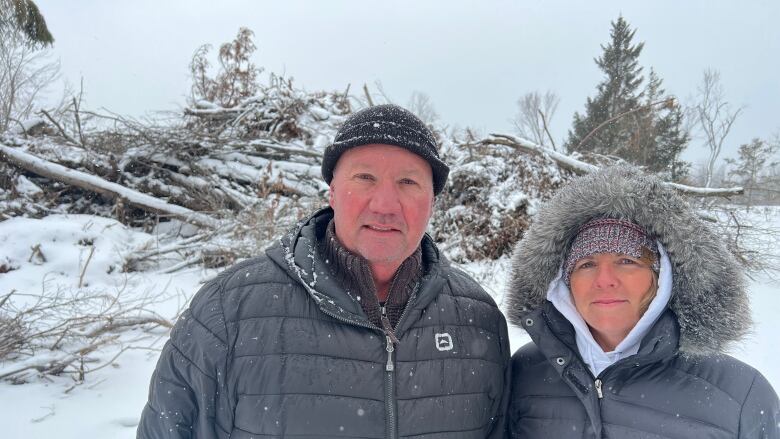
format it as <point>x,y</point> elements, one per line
<point>390,338</point>
<point>599,392</point>
<point>389,367</point>
<point>390,376</point>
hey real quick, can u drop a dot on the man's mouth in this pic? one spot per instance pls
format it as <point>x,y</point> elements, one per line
<point>378,228</point>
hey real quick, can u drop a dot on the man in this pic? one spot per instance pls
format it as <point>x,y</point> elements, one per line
<point>353,325</point>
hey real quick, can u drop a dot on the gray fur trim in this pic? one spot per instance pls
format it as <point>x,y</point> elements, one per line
<point>709,294</point>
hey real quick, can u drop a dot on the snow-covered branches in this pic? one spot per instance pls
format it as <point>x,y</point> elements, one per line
<point>490,198</point>
<point>209,164</point>
<point>96,184</point>
<point>68,325</point>
<point>237,76</point>
<point>526,146</point>
<point>580,167</point>
<point>278,111</point>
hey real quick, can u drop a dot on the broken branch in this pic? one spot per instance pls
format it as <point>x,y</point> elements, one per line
<point>92,183</point>
<point>580,167</point>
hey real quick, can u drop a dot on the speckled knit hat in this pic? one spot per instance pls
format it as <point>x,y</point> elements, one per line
<point>609,235</point>
<point>388,125</point>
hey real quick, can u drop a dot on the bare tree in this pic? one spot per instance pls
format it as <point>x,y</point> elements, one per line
<point>25,72</point>
<point>421,105</point>
<point>237,75</point>
<point>713,116</point>
<point>752,169</point>
<point>535,111</point>
<point>772,178</point>
<point>698,175</point>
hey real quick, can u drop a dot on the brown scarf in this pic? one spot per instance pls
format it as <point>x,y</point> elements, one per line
<point>353,272</point>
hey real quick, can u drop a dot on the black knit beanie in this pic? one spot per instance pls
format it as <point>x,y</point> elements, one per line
<point>388,125</point>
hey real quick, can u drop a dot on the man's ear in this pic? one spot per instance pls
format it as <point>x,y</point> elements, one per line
<point>330,195</point>
<point>433,206</point>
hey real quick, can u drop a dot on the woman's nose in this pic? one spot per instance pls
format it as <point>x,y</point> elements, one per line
<point>606,276</point>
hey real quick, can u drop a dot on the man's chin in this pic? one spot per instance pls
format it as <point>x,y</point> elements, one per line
<point>381,253</point>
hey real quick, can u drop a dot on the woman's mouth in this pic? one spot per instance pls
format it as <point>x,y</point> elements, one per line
<point>609,302</point>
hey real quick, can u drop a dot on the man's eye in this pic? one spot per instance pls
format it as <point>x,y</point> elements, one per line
<point>366,177</point>
<point>408,181</point>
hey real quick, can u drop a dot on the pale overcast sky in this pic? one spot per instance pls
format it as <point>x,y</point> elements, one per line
<point>473,58</point>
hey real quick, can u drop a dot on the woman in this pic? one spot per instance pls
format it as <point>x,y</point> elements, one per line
<point>630,302</point>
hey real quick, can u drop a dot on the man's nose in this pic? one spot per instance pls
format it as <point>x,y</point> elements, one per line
<point>385,199</point>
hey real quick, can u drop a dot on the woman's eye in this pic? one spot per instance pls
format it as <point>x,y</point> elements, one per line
<point>586,264</point>
<point>627,261</point>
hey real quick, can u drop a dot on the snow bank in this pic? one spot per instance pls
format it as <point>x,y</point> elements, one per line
<point>109,402</point>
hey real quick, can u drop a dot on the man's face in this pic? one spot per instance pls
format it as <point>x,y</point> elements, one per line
<point>382,198</point>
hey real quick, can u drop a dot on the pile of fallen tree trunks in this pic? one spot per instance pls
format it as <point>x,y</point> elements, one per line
<point>250,171</point>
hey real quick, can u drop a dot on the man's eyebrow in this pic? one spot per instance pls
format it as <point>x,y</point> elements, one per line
<point>357,167</point>
<point>413,171</point>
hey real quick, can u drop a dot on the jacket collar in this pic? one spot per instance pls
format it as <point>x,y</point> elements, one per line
<point>297,253</point>
<point>555,337</point>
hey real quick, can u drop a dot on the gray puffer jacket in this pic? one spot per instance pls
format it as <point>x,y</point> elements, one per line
<point>273,348</point>
<point>679,384</point>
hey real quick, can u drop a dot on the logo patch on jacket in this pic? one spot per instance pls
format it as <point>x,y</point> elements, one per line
<point>444,342</point>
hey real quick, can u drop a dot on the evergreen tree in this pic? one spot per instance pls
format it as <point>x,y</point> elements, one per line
<point>616,94</point>
<point>659,137</point>
<point>638,124</point>
<point>25,17</point>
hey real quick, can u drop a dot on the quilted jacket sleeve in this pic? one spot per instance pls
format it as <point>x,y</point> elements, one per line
<point>760,417</point>
<point>184,388</point>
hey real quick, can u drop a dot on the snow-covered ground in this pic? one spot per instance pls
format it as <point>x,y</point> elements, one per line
<point>109,402</point>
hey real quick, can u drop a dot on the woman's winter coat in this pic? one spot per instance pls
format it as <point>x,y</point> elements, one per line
<point>274,348</point>
<point>680,384</point>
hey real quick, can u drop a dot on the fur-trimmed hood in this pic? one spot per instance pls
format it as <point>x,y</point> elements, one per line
<point>709,296</point>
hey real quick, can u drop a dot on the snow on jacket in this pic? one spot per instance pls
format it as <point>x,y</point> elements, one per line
<point>679,384</point>
<point>274,348</point>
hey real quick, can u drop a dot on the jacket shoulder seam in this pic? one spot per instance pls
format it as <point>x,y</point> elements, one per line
<point>189,360</point>
<point>208,330</point>
<point>478,293</point>
<point>716,385</point>
<point>644,407</point>
<point>742,405</point>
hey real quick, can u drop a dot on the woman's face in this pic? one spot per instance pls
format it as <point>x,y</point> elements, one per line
<point>611,292</point>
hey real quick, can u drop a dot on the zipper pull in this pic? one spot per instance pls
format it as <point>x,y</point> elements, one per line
<point>391,339</point>
<point>389,348</point>
<point>389,330</point>
<point>599,392</point>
